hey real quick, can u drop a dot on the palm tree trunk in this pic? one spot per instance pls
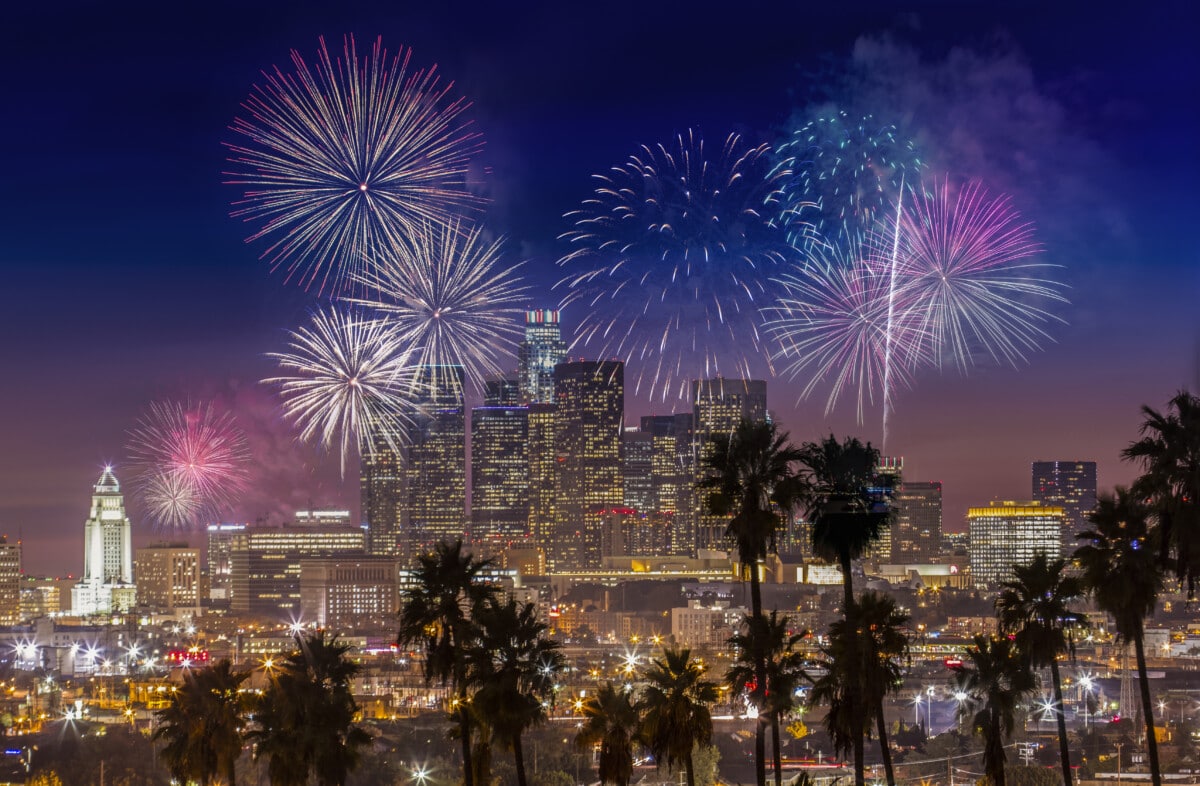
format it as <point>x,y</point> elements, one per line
<point>1147,709</point>
<point>690,768</point>
<point>1061,715</point>
<point>760,672</point>
<point>519,757</point>
<point>994,755</point>
<point>464,728</point>
<point>775,750</point>
<point>884,749</point>
<point>852,691</point>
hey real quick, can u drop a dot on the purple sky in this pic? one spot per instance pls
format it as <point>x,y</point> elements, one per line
<point>128,281</point>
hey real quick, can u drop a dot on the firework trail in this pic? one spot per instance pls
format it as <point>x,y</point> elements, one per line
<point>966,263</point>
<point>673,258</point>
<point>190,461</point>
<point>450,297</point>
<point>347,377</point>
<point>852,170</point>
<point>839,324</point>
<point>346,157</point>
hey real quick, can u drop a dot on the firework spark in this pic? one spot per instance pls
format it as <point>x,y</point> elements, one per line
<point>967,265</point>
<point>347,377</point>
<point>845,176</point>
<point>833,325</point>
<point>673,258</point>
<point>190,461</point>
<point>452,298</point>
<point>347,157</point>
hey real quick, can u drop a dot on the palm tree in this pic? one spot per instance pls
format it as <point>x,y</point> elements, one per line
<point>610,720</point>
<point>1169,454</point>
<point>1034,606</point>
<point>1122,572</point>
<point>514,666</point>
<point>306,717</point>
<point>436,615</point>
<point>675,709</point>
<point>202,726</point>
<point>994,679</point>
<point>751,477</point>
<point>776,697</point>
<point>848,513</point>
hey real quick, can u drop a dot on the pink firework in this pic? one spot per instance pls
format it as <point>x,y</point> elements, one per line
<point>191,461</point>
<point>969,278</point>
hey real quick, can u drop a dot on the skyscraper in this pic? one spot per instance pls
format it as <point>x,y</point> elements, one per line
<point>1011,533</point>
<point>220,565</point>
<point>542,350</point>
<point>10,581</point>
<point>265,564</point>
<point>107,582</point>
<point>1071,485</point>
<point>168,578</point>
<point>638,471</point>
<point>437,461</point>
<point>673,470</point>
<point>718,405</point>
<point>499,466</point>
<point>382,489</point>
<point>916,523</point>
<point>543,470</point>
<point>590,399</point>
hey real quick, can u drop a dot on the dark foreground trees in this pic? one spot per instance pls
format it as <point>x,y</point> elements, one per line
<point>201,730</point>
<point>994,679</point>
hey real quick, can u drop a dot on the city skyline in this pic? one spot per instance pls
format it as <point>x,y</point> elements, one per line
<point>130,275</point>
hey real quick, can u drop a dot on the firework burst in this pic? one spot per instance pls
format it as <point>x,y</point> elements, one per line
<point>190,461</point>
<point>845,176</point>
<point>970,279</point>
<point>346,377</point>
<point>346,157</point>
<point>833,327</point>
<point>673,258</point>
<point>451,297</point>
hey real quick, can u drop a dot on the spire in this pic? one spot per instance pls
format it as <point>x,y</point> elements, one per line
<point>108,482</point>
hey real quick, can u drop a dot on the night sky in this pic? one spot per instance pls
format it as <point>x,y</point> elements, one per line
<point>127,281</point>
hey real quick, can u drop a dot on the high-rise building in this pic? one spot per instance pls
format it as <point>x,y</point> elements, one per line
<point>107,582</point>
<point>590,397</point>
<point>542,350</point>
<point>382,491</point>
<point>673,469</point>
<point>1011,533</point>
<point>168,578</point>
<point>499,466</point>
<point>1071,485</point>
<point>437,461</point>
<point>916,525</point>
<point>265,564</point>
<point>220,566</point>
<point>638,471</point>
<point>543,470</point>
<point>10,581</point>
<point>718,405</point>
<point>346,591</point>
<point>625,532</point>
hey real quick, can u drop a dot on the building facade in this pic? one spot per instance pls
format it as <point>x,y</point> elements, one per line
<point>542,350</point>
<point>168,578</point>
<point>107,582</point>
<point>1072,486</point>
<point>916,525</point>
<point>265,565</point>
<point>436,471</point>
<point>10,581</point>
<point>718,405</point>
<point>590,401</point>
<point>1004,534</point>
<point>499,472</point>
<point>346,592</point>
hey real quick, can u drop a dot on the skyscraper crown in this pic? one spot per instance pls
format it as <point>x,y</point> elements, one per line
<point>108,482</point>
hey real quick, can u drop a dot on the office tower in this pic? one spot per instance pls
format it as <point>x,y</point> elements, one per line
<point>500,465</point>
<point>220,567</point>
<point>674,475</point>
<point>382,490</point>
<point>542,350</point>
<point>1009,533</point>
<point>718,405</point>
<point>107,582</point>
<point>590,397</point>
<point>543,469</point>
<point>625,532</point>
<point>436,505</point>
<point>265,564</point>
<point>916,526</point>
<point>638,471</point>
<point>168,578</point>
<point>1072,486</point>
<point>10,581</point>
<point>349,591</point>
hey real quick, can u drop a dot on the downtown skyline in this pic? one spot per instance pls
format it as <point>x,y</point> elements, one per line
<point>133,283</point>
